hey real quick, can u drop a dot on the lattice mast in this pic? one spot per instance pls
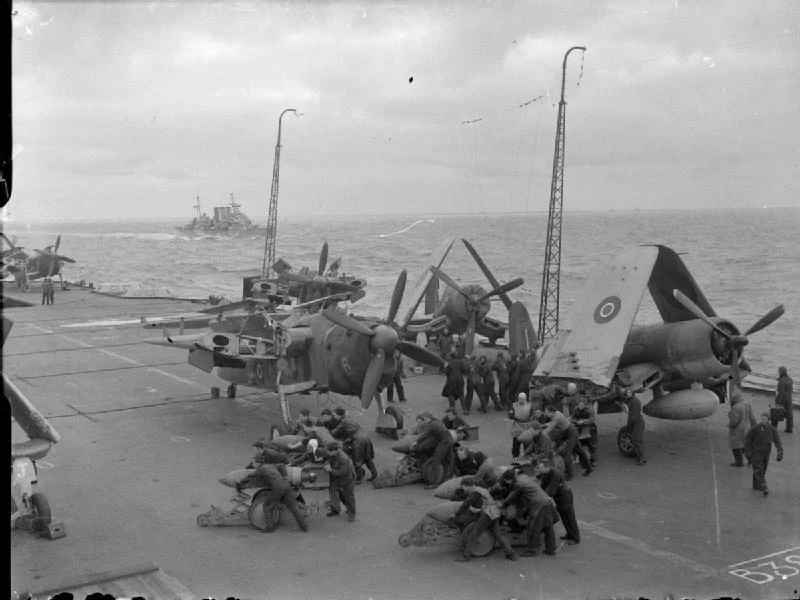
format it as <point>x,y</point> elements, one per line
<point>272,218</point>
<point>551,273</point>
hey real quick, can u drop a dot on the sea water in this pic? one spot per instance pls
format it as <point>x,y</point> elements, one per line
<point>745,261</point>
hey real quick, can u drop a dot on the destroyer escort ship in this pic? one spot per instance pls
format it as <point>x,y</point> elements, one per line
<point>228,221</point>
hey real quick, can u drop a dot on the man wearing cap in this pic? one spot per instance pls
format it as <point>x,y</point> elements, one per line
<point>783,397</point>
<point>583,419</point>
<point>453,389</point>
<point>474,385</point>
<point>479,501</point>
<point>539,509</point>
<point>500,368</point>
<point>273,479</point>
<point>487,385</point>
<point>758,446</point>
<point>302,422</point>
<point>352,435</point>
<point>342,488</point>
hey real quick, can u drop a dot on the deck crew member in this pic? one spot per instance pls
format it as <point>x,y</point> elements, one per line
<point>635,424</point>
<point>554,485</point>
<point>539,509</point>
<point>342,474</point>
<point>353,436</point>
<point>303,422</point>
<point>521,414</point>
<point>583,419</point>
<point>474,385</point>
<point>273,478</point>
<point>443,344</point>
<point>536,444</point>
<point>397,381</point>
<point>500,368</point>
<point>740,421</point>
<point>46,285</point>
<point>436,437</point>
<point>326,419</point>
<point>487,385</point>
<point>488,473</point>
<point>783,397</point>
<point>453,389</point>
<point>527,363</point>
<point>454,422</point>
<point>563,432</point>
<point>467,462</point>
<point>479,501</point>
<point>758,446</point>
<point>312,454</point>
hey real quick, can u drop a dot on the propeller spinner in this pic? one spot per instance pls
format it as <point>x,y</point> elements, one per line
<point>731,342</point>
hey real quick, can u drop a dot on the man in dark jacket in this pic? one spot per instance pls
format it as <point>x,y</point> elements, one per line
<point>342,481</point>
<point>480,502</point>
<point>474,385</point>
<point>635,424</point>
<point>397,382</point>
<point>554,485</point>
<point>354,438</point>
<point>453,390</point>
<point>757,448</point>
<point>539,509</point>
<point>467,462</point>
<point>487,385</point>
<point>783,397</point>
<point>454,422</point>
<point>500,367</point>
<point>437,437</point>
<point>273,479</point>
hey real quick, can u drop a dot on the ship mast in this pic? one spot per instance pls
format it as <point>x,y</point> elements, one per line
<point>551,273</point>
<point>272,219</point>
<point>197,206</point>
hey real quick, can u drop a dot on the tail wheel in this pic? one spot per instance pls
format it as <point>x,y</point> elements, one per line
<point>203,521</point>
<point>404,540</point>
<point>263,516</point>
<point>396,413</point>
<point>40,511</point>
<point>625,442</point>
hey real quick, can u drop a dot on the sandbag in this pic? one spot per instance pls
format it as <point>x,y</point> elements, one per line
<point>322,434</point>
<point>444,512</point>
<point>234,477</point>
<point>286,442</point>
<point>447,490</point>
<point>404,445</point>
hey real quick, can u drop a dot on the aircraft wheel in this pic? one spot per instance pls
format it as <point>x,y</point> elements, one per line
<point>261,515</point>
<point>625,442</point>
<point>404,541</point>
<point>484,544</point>
<point>40,511</point>
<point>396,413</point>
<point>203,521</point>
<point>277,430</point>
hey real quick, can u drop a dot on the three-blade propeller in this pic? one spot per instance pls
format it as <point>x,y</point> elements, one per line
<point>384,339</point>
<point>733,343</point>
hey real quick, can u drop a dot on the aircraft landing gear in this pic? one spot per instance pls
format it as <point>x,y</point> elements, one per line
<point>232,390</point>
<point>625,442</point>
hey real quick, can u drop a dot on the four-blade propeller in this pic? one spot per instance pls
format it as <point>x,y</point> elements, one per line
<point>733,343</point>
<point>384,339</point>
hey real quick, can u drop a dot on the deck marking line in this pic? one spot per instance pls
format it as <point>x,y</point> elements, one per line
<point>744,562</point>
<point>42,329</point>
<point>648,549</point>
<point>134,362</point>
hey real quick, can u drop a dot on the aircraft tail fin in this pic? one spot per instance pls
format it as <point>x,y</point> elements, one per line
<point>521,333</point>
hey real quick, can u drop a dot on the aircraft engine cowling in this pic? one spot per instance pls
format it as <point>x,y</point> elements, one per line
<point>683,405</point>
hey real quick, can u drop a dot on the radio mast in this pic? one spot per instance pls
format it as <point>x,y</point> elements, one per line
<point>272,219</point>
<point>551,274</point>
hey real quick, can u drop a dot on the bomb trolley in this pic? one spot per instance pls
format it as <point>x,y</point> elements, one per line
<point>309,480</point>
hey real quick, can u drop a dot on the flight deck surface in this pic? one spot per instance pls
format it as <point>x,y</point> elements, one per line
<point>143,444</point>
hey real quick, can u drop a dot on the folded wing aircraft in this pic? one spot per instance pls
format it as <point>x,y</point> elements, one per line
<point>686,361</point>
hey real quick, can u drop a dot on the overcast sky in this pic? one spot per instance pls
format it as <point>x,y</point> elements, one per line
<point>131,110</point>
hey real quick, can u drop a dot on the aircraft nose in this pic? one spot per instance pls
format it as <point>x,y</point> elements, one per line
<point>385,338</point>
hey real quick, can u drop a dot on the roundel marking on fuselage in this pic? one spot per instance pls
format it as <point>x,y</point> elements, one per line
<point>259,372</point>
<point>607,309</point>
